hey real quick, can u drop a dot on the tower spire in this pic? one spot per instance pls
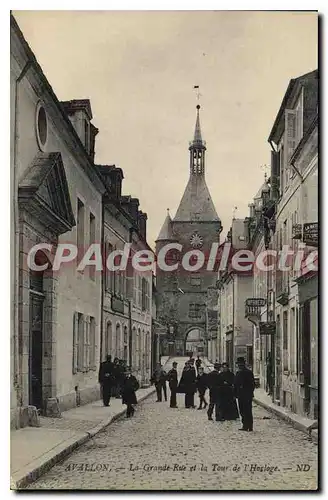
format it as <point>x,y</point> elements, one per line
<point>197,149</point>
<point>198,134</point>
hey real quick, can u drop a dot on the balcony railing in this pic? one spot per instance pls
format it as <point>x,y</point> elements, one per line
<point>254,311</point>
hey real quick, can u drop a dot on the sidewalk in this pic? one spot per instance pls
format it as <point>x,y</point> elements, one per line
<point>34,450</point>
<point>301,423</point>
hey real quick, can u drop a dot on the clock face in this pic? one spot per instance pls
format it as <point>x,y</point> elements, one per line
<point>196,240</point>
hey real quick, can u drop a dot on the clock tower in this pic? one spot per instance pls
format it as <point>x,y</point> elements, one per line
<point>183,294</point>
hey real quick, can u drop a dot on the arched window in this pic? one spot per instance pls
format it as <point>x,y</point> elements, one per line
<point>118,341</point>
<point>108,341</point>
<point>126,344</point>
<point>134,348</point>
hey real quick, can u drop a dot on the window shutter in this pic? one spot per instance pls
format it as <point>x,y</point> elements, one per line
<point>85,363</point>
<point>290,135</point>
<point>80,342</point>
<point>75,341</point>
<point>93,343</point>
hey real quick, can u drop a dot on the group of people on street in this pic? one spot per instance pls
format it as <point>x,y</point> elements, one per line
<point>116,379</point>
<point>225,389</point>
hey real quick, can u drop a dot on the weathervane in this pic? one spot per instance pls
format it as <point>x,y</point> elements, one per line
<point>198,94</point>
<point>265,168</point>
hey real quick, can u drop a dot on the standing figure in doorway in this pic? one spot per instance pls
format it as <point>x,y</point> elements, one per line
<point>244,391</point>
<point>129,387</point>
<point>172,378</point>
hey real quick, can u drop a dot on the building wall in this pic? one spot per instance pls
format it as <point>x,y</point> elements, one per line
<point>299,204</point>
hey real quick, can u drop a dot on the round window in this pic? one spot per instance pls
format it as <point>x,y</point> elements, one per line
<point>41,126</point>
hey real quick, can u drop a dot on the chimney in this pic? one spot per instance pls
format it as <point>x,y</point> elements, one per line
<point>251,207</point>
<point>93,132</point>
<point>112,177</point>
<point>133,209</point>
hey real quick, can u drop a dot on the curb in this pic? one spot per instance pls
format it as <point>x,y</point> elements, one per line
<point>282,415</point>
<point>32,476</point>
<point>38,471</point>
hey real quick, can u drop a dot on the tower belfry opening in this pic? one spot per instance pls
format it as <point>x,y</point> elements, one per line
<point>197,150</point>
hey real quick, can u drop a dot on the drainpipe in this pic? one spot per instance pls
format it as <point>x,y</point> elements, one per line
<point>17,382</point>
<point>104,272</point>
<point>130,311</point>
<point>233,322</point>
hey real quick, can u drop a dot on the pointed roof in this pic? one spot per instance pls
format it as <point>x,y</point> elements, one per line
<point>166,233</point>
<point>196,203</point>
<point>198,134</point>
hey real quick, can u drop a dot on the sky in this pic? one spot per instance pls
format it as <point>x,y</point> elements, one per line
<point>138,68</point>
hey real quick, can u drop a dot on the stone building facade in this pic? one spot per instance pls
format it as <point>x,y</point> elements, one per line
<point>294,138</point>
<point>289,217</point>
<point>235,333</point>
<point>127,294</point>
<point>182,294</point>
<point>59,198</point>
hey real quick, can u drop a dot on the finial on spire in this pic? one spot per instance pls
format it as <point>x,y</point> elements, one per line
<point>168,211</point>
<point>234,212</point>
<point>265,168</point>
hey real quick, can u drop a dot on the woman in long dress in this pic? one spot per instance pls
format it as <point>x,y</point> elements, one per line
<point>187,384</point>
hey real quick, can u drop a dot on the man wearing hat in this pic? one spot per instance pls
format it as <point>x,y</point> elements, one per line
<point>244,390</point>
<point>172,377</point>
<point>214,384</point>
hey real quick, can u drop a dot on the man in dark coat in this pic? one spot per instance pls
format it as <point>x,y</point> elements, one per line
<point>105,379</point>
<point>214,383</point>
<point>187,384</point>
<point>228,405</point>
<point>172,378</point>
<point>244,391</point>
<point>198,364</point>
<point>159,379</point>
<point>128,390</point>
<point>201,387</point>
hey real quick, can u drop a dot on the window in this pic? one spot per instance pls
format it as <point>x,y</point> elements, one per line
<point>84,343</point>
<point>80,228</point>
<point>290,139</point>
<point>41,127</point>
<point>292,350</point>
<point>145,295</point>
<point>195,280</point>
<point>282,169</point>
<point>108,272</point>
<point>93,347</point>
<point>92,229</point>
<point>108,340</point>
<point>285,340</point>
<point>249,355</point>
<point>195,310</point>
<point>80,342</point>
<point>126,343</point>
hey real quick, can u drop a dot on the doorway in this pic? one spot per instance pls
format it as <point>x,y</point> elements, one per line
<point>36,347</point>
<point>36,339</point>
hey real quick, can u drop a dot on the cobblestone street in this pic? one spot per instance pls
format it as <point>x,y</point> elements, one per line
<point>194,452</point>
